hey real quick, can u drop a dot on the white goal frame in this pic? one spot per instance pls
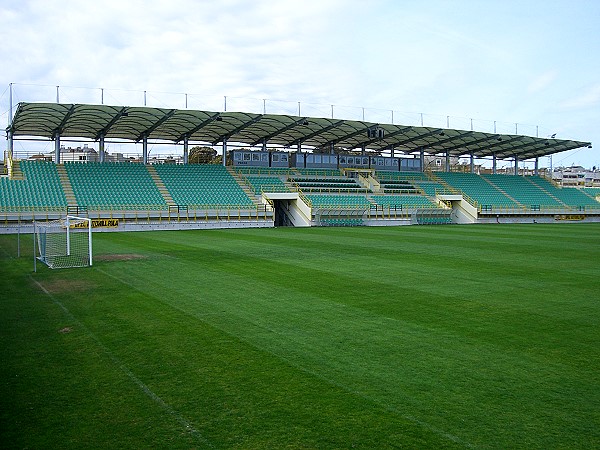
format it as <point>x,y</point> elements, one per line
<point>63,243</point>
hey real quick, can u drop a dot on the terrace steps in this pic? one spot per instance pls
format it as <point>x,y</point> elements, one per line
<point>239,179</point>
<point>501,190</point>
<point>67,187</point>
<point>166,195</point>
<point>17,173</point>
<point>545,191</point>
<point>588,194</point>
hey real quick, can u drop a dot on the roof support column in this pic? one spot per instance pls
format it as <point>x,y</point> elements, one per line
<point>224,152</point>
<point>392,151</point>
<point>9,151</point>
<point>422,158</point>
<point>536,168</point>
<point>447,161</point>
<point>101,148</point>
<point>494,161</point>
<point>516,165</point>
<point>57,147</point>
<point>264,145</point>
<point>145,149</point>
<point>186,143</point>
<point>299,148</point>
<point>472,164</point>
<point>362,150</point>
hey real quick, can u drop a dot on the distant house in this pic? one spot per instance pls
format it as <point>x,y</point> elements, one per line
<point>576,176</point>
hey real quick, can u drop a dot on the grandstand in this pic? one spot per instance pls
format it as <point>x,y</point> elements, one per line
<point>261,188</point>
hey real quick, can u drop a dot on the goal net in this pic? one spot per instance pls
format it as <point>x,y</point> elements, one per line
<point>64,243</point>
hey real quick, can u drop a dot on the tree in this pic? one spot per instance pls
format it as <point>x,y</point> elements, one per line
<point>202,155</point>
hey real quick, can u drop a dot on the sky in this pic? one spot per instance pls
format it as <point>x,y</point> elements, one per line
<point>528,65</point>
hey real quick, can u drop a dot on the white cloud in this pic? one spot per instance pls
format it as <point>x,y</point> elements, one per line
<point>590,98</point>
<point>486,60</point>
<point>542,82</point>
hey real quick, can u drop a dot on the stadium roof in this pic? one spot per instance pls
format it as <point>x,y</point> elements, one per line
<point>173,125</point>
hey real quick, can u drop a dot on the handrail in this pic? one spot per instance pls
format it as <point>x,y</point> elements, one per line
<point>266,188</point>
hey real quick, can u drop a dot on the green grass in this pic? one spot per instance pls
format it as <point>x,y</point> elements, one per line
<point>418,337</point>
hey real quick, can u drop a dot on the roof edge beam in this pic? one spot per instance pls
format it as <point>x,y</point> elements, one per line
<point>302,121</point>
<point>157,124</point>
<point>188,133</point>
<point>59,129</point>
<point>227,136</point>
<point>349,136</point>
<point>109,125</point>
<point>438,131</point>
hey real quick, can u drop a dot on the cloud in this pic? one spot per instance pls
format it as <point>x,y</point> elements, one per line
<point>482,59</point>
<point>588,99</point>
<point>542,82</point>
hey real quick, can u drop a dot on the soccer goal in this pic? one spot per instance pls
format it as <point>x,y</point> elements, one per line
<point>64,243</point>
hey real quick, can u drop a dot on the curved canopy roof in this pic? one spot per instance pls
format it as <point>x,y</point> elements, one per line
<point>174,125</point>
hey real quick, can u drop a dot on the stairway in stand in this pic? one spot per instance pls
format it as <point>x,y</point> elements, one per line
<point>66,186</point>
<point>16,174</point>
<point>239,180</point>
<point>161,186</point>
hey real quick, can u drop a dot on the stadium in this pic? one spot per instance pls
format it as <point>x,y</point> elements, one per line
<point>275,299</point>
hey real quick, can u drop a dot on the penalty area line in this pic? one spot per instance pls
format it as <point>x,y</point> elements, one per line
<point>187,425</point>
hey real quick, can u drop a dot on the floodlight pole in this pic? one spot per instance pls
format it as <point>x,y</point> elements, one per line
<point>9,134</point>
<point>10,103</point>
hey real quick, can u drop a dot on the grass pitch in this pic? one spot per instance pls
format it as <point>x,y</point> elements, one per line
<point>418,337</point>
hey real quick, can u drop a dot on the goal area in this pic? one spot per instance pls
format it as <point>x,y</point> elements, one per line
<point>64,243</point>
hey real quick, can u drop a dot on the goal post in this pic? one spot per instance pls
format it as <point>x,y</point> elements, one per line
<point>64,243</point>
